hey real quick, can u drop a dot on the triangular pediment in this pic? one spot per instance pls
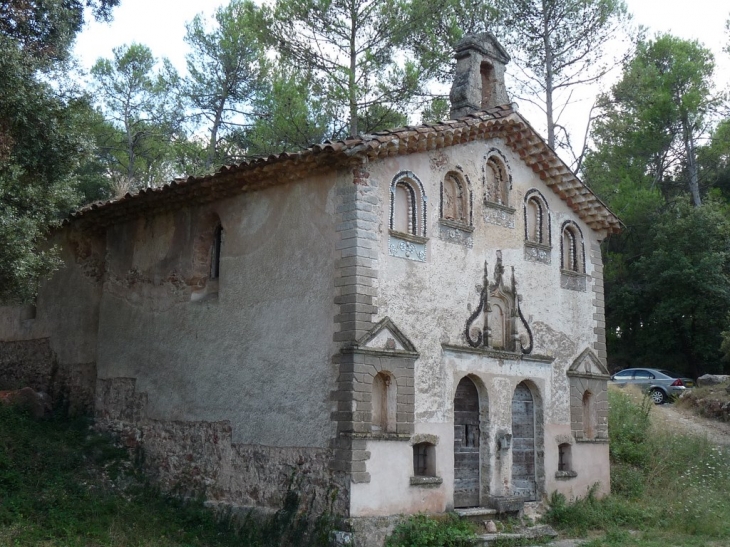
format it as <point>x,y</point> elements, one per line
<point>588,364</point>
<point>385,336</point>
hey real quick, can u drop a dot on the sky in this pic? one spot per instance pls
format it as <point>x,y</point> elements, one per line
<point>160,25</point>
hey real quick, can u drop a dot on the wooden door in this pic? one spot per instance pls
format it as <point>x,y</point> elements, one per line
<point>466,444</point>
<point>523,443</point>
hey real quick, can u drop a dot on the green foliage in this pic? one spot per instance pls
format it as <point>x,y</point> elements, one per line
<point>45,29</point>
<point>424,531</point>
<point>291,117</point>
<point>628,424</point>
<point>668,289</point>
<point>39,153</point>
<point>670,489</point>
<point>142,116</point>
<point>62,485</point>
<point>437,111</point>
<point>351,48</point>
<point>559,44</point>
<point>652,117</point>
<point>226,72</point>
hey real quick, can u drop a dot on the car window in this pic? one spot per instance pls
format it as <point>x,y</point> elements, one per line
<point>643,375</point>
<point>669,373</point>
<point>624,374</point>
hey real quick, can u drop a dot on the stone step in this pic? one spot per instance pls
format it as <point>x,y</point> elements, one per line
<point>477,515</point>
<point>540,532</point>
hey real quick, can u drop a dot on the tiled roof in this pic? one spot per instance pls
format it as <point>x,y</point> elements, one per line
<point>500,122</point>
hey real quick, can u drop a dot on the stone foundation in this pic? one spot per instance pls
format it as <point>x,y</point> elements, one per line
<point>199,458</point>
<point>32,363</point>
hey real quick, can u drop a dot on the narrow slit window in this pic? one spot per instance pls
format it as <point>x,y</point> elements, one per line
<point>564,457</point>
<point>215,259</point>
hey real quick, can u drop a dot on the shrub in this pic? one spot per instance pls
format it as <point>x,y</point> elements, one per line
<point>424,531</point>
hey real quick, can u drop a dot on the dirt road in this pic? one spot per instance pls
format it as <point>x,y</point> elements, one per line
<point>684,421</point>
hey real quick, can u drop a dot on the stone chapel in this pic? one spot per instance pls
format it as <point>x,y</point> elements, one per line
<point>409,321</point>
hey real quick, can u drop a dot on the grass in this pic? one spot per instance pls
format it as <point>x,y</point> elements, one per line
<point>63,485</point>
<point>428,531</point>
<point>667,489</point>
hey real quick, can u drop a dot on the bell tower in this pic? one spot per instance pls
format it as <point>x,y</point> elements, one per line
<point>479,75</point>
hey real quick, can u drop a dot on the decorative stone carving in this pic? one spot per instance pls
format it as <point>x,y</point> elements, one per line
<point>573,281</point>
<point>499,310</point>
<point>411,248</point>
<point>499,215</point>
<point>534,252</point>
<point>453,232</point>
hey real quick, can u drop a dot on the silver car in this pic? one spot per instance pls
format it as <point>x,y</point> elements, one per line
<point>659,384</point>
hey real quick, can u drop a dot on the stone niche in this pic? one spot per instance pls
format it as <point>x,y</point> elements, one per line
<point>375,395</point>
<point>588,380</point>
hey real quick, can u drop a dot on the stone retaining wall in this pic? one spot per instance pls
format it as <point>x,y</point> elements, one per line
<point>199,458</point>
<point>32,363</point>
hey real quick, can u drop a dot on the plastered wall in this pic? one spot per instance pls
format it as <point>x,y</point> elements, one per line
<point>431,300</point>
<point>257,352</point>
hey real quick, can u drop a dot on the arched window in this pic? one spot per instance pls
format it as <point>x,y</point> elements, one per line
<point>589,416</point>
<point>497,325</point>
<point>454,199</point>
<point>537,218</point>
<point>215,252</point>
<point>383,403</point>
<point>572,252</point>
<point>497,183</point>
<point>407,205</point>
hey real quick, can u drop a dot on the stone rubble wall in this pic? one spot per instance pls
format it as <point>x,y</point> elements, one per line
<point>199,458</point>
<point>32,363</point>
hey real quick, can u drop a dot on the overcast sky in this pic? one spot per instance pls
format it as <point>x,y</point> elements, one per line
<point>160,24</point>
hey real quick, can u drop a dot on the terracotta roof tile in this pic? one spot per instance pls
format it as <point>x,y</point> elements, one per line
<point>503,122</point>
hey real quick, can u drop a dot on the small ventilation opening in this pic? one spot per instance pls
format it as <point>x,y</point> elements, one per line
<point>215,260</point>
<point>564,458</point>
<point>424,460</point>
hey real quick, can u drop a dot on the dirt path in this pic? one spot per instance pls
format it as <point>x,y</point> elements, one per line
<point>684,421</point>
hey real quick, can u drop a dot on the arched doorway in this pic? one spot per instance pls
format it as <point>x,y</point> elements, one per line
<point>467,441</point>
<point>523,443</point>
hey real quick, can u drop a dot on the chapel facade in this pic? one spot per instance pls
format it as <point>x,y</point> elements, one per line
<point>410,321</point>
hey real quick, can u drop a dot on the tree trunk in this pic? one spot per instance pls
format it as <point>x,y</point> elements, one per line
<point>548,76</point>
<point>689,148</point>
<point>213,143</point>
<point>352,92</point>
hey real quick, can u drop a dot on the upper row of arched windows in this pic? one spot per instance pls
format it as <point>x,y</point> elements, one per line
<point>408,204</point>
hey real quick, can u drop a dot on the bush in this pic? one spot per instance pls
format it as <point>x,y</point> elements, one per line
<point>424,531</point>
<point>673,488</point>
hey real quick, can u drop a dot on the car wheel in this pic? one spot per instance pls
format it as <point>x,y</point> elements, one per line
<point>658,396</point>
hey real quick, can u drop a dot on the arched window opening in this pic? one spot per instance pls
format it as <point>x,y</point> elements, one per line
<point>383,404</point>
<point>454,202</point>
<point>487,73</point>
<point>497,183</point>
<point>403,209</point>
<point>497,326</point>
<point>570,253</point>
<point>565,462</point>
<point>407,205</point>
<point>572,249</point>
<point>589,416</point>
<point>424,460</point>
<point>534,221</point>
<point>215,254</point>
